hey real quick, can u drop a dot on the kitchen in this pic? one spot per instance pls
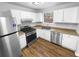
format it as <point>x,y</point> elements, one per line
<point>39,29</point>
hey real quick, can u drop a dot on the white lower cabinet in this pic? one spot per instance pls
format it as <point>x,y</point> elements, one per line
<point>43,34</point>
<point>77,49</point>
<point>77,45</point>
<point>22,40</point>
<point>69,41</point>
<point>65,40</point>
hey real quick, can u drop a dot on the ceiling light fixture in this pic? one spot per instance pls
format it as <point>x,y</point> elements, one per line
<point>37,3</point>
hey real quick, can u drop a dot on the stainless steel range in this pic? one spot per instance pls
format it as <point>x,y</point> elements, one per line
<point>30,34</point>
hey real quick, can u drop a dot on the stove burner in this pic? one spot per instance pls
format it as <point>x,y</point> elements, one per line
<point>27,29</point>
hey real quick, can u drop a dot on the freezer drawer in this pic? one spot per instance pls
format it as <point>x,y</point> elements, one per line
<point>11,46</point>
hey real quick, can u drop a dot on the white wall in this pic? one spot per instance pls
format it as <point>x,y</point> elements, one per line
<point>0,14</point>
<point>7,6</point>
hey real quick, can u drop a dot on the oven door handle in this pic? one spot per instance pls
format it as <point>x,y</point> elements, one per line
<point>30,33</point>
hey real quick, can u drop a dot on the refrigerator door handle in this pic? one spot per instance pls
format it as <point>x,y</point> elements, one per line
<point>7,34</point>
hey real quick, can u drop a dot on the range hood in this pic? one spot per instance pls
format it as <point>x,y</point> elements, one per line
<point>26,22</point>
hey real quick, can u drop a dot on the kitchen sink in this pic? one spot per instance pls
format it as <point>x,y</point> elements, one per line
<point>47,28</point>
<point>44,27</point>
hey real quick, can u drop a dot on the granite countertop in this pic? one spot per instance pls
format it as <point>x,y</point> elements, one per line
<point>61,30</point>
<point>20,33</point>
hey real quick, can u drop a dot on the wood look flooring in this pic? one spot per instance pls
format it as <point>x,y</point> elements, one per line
<point>43,48</point>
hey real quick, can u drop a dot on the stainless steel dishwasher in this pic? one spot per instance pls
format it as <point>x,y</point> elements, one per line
<point>56,37</point>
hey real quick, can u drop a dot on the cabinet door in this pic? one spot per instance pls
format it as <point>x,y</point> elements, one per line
<point>13,12</point>
<point>39,17</point>
<point>58,16</point>
<point>43,34</point>
<point>77,47</point>
<point>22,40</point>
<point>17,15</point>
<point>39,32</point>
<point>27,15</point>
<point>33,16</point>
<point>46,35</point>
<point>69,41</point>
<point>70,15</point>
<point>24,15</point>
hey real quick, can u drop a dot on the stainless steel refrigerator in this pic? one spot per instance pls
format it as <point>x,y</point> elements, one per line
<point>9,42</point>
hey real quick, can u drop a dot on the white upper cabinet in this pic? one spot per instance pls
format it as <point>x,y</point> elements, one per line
<point>35,17</point>
<point>20,15</point>
<point>67,15</point>
<point>32,15</point>
<point>70,15</point>
<point>23,15</point>
<point>39,17</point>
<point>26,15</point>
<point>13,12</point>
<point>16,15</point>
<point>58,16</point>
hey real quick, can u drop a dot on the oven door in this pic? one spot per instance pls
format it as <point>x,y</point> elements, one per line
<point>31,37</point>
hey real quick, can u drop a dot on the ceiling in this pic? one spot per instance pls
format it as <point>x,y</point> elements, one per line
<point>43,5</point>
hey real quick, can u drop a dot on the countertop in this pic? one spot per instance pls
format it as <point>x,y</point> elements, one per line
<point>61,30</point>
<point>20,33</point>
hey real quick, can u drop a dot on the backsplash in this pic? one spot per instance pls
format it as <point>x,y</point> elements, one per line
<point>67,24</point>
<point>26,23</point>
<point>64,25</point>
